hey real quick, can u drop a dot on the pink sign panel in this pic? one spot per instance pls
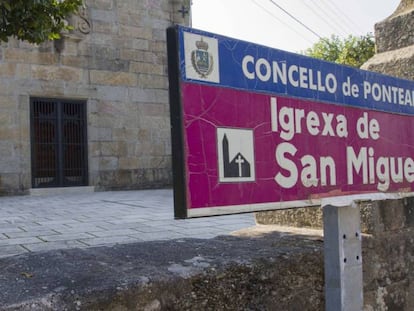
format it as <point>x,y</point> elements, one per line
<point>247,149</point>
<point>241,148</point>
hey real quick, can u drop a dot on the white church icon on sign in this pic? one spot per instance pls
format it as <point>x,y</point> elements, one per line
<point>235,155</point>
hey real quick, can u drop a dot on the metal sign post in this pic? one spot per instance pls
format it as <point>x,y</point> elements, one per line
<point>343,258</point>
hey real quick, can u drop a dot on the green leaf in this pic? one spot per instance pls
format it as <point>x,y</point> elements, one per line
<point>352,51</point>
<point>35,20</point>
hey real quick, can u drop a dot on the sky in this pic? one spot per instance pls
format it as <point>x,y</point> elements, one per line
<point>274,23</point>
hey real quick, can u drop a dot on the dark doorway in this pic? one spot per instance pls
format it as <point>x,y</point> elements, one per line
<point>59,143</point>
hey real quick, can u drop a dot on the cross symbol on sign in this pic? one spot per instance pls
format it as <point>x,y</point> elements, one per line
<point>240,161</point>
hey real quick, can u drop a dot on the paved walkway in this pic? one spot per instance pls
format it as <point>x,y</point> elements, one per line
<point>39,223</point>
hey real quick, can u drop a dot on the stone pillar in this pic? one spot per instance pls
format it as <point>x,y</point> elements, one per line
<point>387,246</point>
<point>394,38</point>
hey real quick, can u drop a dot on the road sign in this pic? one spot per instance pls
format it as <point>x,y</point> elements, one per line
<point>256,128</point>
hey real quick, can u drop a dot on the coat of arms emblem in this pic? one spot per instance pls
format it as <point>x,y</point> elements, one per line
<point>201,59</point>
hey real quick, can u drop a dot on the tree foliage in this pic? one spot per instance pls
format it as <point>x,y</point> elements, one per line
<point>35,20</point>
<point>352,51</point>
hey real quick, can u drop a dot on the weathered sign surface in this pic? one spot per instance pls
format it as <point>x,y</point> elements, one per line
<point>256,128</point>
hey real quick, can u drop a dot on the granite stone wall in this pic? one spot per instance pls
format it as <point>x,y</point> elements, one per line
<point>388,264</point>
<point>114,59</point>
<point>394,38</point>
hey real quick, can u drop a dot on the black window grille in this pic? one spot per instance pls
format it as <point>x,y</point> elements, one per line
<point>59,143</point>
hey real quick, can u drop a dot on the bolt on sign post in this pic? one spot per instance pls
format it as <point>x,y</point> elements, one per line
<point>256,128</point>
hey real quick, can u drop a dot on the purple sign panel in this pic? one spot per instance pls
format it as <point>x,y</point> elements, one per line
<point>259,129</point>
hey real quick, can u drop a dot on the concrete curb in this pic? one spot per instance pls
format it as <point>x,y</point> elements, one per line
<point>274,269</point>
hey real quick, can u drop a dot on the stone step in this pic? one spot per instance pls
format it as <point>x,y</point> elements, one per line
<point>61,190</point>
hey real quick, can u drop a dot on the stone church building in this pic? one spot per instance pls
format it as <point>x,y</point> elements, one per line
<point>90,109</point>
